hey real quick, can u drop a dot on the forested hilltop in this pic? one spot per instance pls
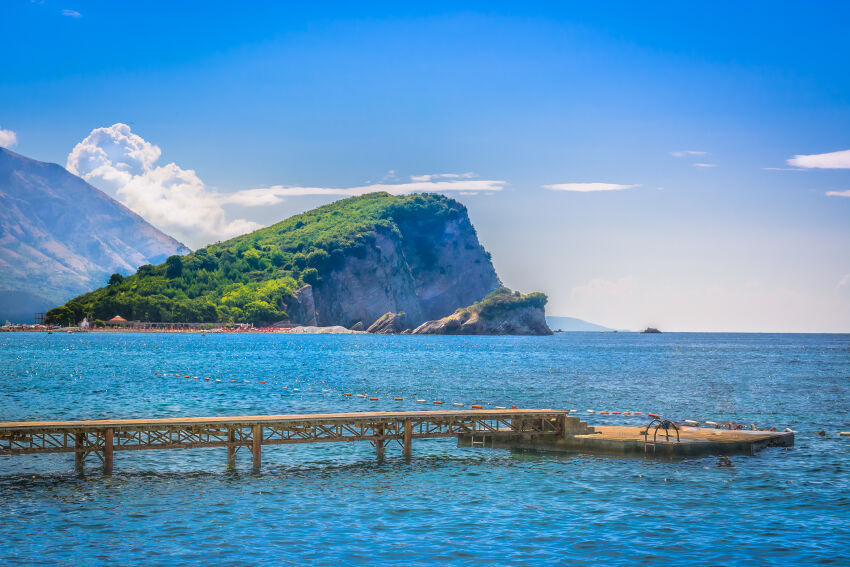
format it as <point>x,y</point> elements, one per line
<point>347,262</point>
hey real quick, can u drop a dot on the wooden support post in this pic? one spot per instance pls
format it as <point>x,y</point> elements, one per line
<point>256,447</point>
<point>379,442</point>
<point>407,450</point>
<point>231,449</point>
<point>107,450</point>
<point>79,452</point>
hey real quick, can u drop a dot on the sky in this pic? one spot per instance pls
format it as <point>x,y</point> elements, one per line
<point>679,165</point>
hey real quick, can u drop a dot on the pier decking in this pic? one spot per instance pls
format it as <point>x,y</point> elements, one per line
<point>538,429</point>
<point>104,437</point>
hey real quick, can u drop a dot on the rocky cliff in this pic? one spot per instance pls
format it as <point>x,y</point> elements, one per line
<point>347,263</point>
<point>59,237</point>
<point>502,312</point>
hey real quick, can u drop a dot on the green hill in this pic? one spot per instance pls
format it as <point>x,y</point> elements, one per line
<point>414,253</point>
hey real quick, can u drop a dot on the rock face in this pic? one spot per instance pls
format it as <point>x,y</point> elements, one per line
<point>522,321</point>
<point>388,324</point>
<point>59,237</point>
<point>425,269</point>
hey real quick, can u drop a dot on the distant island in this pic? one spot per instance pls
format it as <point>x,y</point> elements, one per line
<point>405,261</point>
<point>651,331</point>
<point>573,324</point>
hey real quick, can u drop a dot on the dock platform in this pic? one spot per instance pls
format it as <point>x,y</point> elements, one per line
<point>536,429</point>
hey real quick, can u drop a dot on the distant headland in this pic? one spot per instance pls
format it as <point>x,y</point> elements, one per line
<point>377,262</point>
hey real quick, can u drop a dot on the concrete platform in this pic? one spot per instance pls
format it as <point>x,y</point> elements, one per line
<point>630,441</point>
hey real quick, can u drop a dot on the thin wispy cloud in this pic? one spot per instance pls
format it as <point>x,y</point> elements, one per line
<point>72,14</point>
<point>432,183</point>
<point>686,153</point>
<point>8,138</point>
<point>704,165</point>
<point>588,187</point>
<point>845,193</point>
<point>831,160</point>
<point>783,169</point>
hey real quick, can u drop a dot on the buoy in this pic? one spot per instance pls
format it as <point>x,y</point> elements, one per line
<point>347,394</point>
<point>712,423</point>
<point>616,413</point>
<point>207,379</point>
<point>514,407</point>
<point>361,395</point>
<point>420,401</point>
<point>692,422</point>
<point>844,433</point>
<point>398,399</point>
<point>499,407</point>
<point>772,428</point>
<point>574,411</point>
<point>655,415</point>
<point>156,373</point>
<point>627,413</point>
<point>821,432</point>
<point>373,399</point>
<point>603,413</point>
<point>438,402</point>
<point>187,376</point>
<point>789,430</point>
<point>476,406</point>
<point>636,412</point>
<point>457,404</point>
<point>590,411</point>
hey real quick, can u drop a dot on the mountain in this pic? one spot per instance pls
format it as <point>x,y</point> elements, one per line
<point>347,263</point>
<point>59,237</point>
<point>573,324</point>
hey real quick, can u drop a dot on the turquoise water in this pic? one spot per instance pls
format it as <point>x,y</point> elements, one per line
<point>333,504</point>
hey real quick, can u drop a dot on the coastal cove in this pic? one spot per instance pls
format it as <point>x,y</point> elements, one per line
<point>591,507</point>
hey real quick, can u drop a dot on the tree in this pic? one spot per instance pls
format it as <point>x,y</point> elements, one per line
<point>311,276</point>
<point>174,267</point>
<point>115,279</point>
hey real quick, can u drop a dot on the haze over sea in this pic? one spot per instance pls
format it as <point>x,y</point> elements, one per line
<point>334,504</point>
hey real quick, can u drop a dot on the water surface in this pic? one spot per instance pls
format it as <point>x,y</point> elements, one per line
<point>333,504</point>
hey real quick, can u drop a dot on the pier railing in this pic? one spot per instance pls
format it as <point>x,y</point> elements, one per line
<point>103,437</point>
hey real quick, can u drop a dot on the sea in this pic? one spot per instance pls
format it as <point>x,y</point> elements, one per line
<point>336,504</point>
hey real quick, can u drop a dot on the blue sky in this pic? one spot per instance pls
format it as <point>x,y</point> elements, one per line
<point>254,104</point>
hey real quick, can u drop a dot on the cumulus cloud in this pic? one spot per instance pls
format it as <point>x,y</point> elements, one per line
<point>434,183</point>
<point>705,165</point>
<point>588,187</point>
<point>685,153</point>
<point>72,14</point>
<point>845,193</point>
<point>832,160</point>
<point>172,198</point>
<point>7,138</point>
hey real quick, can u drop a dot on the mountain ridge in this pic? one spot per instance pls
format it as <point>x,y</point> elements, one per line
<point>60,236</point>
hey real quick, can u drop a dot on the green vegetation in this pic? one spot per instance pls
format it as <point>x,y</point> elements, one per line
<point>499,302</point>
<point>251,278</point>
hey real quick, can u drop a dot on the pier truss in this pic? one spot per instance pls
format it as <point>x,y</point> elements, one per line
<point>104,437</point>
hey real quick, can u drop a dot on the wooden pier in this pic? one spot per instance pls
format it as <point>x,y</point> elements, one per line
<point>104,437</point>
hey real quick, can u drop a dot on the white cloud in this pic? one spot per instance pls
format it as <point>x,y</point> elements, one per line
<point>172,198</point>
<point>845,281</point>
<point>275,194</point>
<point>705,165</point>
<point>832,160</point>
<point>72,14</point>
<point>588,187</point>
<point>7,138</point>
<point>685,153</point>
<point>178,202</point>
<point>845,193</point>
